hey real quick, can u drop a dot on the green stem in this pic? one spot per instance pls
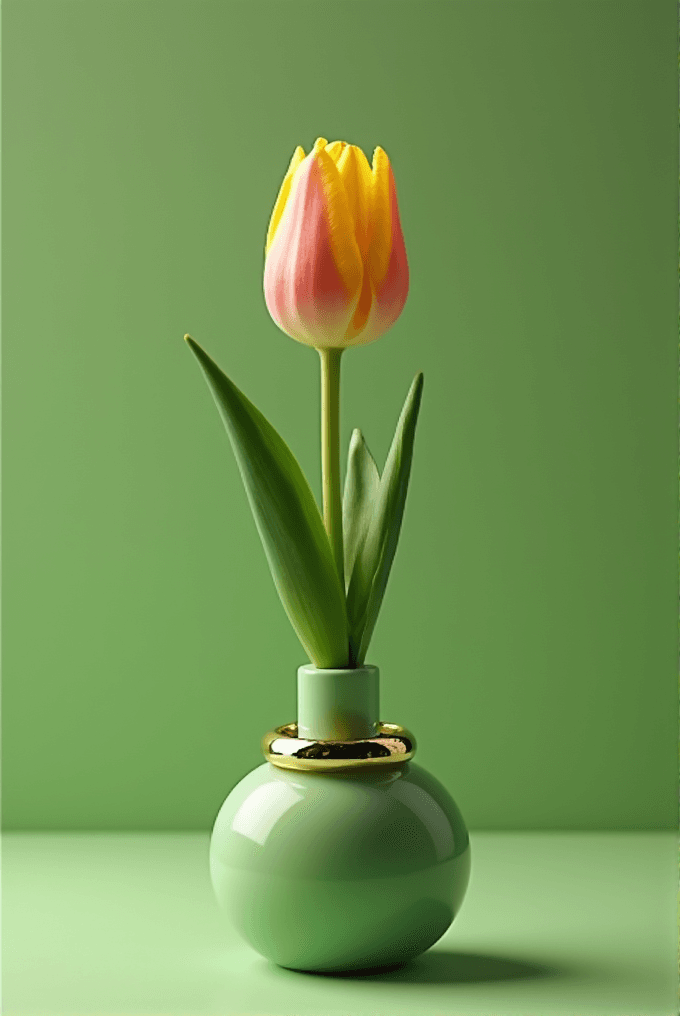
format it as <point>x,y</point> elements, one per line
<point>330,455</point>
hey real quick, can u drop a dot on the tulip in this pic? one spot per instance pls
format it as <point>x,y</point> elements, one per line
<point>336,273</point>
<point>335,276</point>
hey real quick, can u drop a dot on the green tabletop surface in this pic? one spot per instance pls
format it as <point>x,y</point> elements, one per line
<point>124,924</point>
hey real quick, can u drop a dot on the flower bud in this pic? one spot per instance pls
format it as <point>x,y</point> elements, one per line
<point>336,273</point>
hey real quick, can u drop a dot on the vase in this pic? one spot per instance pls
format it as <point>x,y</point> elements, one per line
<point>339,853</point>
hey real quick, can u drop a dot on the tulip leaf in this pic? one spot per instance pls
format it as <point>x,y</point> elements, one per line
<point>288,521</point>
<point>361,488</point>
<point>376,553</point>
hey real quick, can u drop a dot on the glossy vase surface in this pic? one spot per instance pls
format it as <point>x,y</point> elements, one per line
<point>346,869</point>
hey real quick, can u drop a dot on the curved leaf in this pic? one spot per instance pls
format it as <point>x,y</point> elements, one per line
<point>287,519</point>
<point>375,556</point>
<point>361,488</point>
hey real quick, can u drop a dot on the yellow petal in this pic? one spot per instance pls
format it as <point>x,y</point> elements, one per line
<point>340,221</point>
<point>320,143</point>
<point>335,149</point>
<point>380,216</point>
<point>355,174</point>
<point>284,194</point>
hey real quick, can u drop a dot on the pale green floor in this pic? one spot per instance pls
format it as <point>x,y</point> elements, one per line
<point>576,924</point>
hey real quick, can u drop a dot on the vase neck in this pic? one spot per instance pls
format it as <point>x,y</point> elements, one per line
<point>338,705</point>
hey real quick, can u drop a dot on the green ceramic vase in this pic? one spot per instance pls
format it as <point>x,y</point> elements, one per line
<point>355,867</point>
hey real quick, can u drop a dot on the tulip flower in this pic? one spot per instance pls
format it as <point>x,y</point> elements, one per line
<point>336,273</point>
<point>335,276</point>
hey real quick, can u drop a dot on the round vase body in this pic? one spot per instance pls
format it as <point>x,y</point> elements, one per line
<point>339,871</point>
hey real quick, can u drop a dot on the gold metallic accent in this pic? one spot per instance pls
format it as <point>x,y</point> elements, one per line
<point>390,744</point>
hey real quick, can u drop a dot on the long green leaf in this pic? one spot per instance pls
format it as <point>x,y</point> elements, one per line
<point>287,519</point>
<point>375,556</point>
<point>361,489</point>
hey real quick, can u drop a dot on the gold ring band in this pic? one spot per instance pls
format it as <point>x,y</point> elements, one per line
<point>390,744</point>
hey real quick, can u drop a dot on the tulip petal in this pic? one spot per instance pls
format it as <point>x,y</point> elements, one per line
<point>314,272</point>
<point>355,174</point>
<point>284,194</point>
<point>387,263</point>
<point>381,217</point>
<point>335,149</point>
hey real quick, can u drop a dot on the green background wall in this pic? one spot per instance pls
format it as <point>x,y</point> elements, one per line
<point>528,632</point>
